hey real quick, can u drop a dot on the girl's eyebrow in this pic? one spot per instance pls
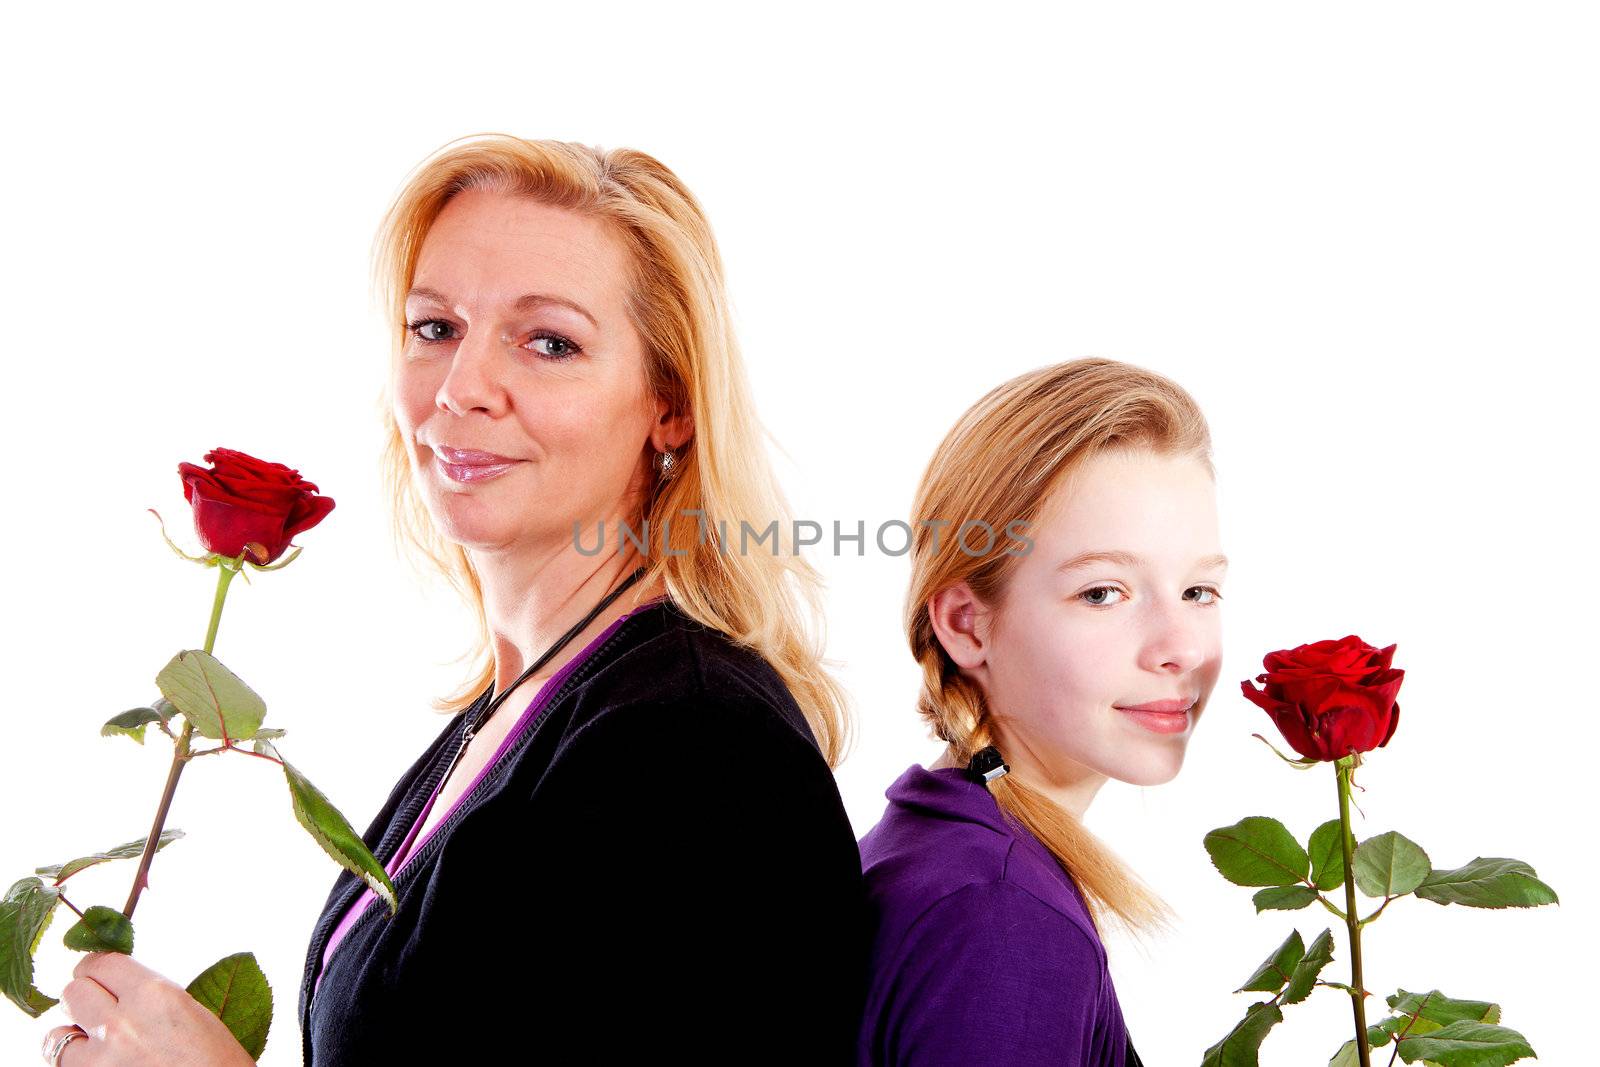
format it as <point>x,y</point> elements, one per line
<point>1128,559</point>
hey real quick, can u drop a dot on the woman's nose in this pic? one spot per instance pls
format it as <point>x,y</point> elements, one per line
<point>474,380</point>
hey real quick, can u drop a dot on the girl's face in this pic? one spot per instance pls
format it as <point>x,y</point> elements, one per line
<point>1114,605</point>
<point>520,345</point>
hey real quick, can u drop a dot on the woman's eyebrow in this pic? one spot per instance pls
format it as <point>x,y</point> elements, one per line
<point>1128,559</point>
<point>521,303</point>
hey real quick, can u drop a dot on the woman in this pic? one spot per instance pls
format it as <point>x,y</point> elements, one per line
<point>643,853</point>
<point>1076,642</point>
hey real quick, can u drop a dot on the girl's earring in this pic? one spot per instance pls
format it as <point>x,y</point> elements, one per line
<point>666,463</point>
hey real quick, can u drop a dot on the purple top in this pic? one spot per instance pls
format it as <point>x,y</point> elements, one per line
<point>983,950</point>
<point>406,851</point>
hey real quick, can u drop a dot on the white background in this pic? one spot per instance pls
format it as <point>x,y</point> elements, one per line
<point>1362,235</point>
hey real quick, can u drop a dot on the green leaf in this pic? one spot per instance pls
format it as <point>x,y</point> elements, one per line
<point>1467,1044</point>
<point>126,851</point>
<point>25,911</point>
<point>1257,850</point>
<point>101,929</point>
<point>1390,865</point>
<point>236,991</point>
<point>1242,1046</point>
<point>1493,882</point>
<point>331,830</point>
<point>1271,975</point>
<point>131,723</point>
<point>1327,856</point>
<point>1347,1056</point>
<point>1433,1010</point>
<point>268,732</point>
<point>1304,978</point>
<point>1283,898</point>
<point>211,696</point>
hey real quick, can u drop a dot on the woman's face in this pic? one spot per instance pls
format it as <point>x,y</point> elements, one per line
<point>1076,642</point>
<point>519,344</point>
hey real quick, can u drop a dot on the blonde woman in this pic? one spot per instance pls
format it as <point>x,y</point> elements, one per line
<point>626,845</point>
<point>1076,641</point>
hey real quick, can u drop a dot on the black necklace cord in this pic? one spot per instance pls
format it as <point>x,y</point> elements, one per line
<point>561,642</point>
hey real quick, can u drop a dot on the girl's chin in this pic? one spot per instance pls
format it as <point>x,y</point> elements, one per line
<point>1156,771</point>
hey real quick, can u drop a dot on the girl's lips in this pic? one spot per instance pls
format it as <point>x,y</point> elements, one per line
<point>1177,704</point>
<point>1160,722</point>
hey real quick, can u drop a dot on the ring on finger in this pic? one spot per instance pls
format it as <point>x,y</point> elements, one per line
<point>61,1044</point>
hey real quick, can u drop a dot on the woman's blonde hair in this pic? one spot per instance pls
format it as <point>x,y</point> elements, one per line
<point>1001,462</point>
<point>678,303</point>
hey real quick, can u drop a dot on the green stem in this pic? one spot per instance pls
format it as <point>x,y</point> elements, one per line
<point>225,575</point>
<point>1386,902</point>
<point>226,569</point>
<point>1348,842</point>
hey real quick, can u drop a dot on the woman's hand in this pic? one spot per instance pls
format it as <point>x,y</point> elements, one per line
<point>136,1018</point>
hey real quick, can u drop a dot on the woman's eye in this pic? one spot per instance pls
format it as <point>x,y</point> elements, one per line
<point>552,346</point>
<point>416,330</point>
<point>559,349</point>
<point>1216,594</point>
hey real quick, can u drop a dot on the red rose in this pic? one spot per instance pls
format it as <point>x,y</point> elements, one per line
<point>243,499</point>
<point>1331,698</point>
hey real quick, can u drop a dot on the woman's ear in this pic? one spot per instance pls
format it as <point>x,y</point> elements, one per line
<point>961,623</point>
<point>671,430</point>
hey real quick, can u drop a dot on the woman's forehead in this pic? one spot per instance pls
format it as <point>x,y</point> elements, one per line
<point>517,254</point>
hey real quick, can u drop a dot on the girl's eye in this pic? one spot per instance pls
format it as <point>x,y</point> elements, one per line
<point>1098,589</point>
<point>1216,595</point>
<point>560,348</point>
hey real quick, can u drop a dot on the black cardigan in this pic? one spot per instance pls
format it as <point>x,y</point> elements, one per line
<point>659,867</point>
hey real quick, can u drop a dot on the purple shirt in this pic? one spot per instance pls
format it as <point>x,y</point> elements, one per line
<point>983,950</point>
<point>406,847</point>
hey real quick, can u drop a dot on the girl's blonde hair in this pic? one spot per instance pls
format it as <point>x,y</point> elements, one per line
<point>678,303</point>
<point>1001,462</point>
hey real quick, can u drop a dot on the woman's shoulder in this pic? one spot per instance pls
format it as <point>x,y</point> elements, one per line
<point>663,662</point>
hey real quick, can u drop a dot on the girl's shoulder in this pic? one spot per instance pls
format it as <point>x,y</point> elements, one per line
<point>943,855</point>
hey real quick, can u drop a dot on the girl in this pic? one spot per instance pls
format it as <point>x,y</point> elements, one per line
<point>1076,641</point>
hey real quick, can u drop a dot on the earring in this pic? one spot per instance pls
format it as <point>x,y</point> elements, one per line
<point>665,462</point>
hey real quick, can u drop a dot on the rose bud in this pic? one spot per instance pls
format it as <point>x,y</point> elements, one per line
<point>243,500</point>
<point>1330,698</point>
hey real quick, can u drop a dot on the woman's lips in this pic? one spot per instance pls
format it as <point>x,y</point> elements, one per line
<point>472,473</point>
<point>471,457</point>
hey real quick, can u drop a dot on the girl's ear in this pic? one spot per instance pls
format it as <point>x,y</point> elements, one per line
<point>960,621</point>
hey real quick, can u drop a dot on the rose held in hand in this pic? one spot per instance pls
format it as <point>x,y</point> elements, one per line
<point>1330,698</point>
<point>242,499</point>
